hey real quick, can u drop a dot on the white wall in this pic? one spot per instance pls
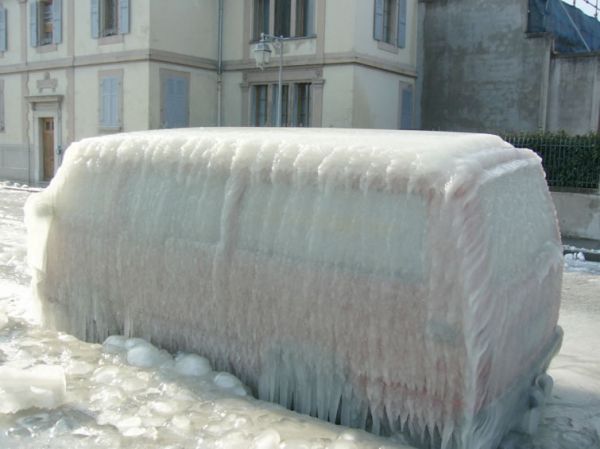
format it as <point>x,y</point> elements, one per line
<point>135,93</point>
<point>338,95</point>
<point>186,27</point>
<point>341,22</point>
<point>13,110</point>
<point>202,99</point>
<point>12,55</point>
<point>137,38</point>
<point>13,150</point>
<point>365,44</point>
<point>232,99</point>
<point>376,99</point>
<point>578,214</point>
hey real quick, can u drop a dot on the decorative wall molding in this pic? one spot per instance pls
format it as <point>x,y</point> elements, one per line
<point>151,55</point>
<point>47,83</point>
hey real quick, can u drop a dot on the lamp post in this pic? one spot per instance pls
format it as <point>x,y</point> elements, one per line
<point>262,56</point>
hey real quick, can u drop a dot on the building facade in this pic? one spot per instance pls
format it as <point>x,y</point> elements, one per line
<point>510,66</point>
<point>71,69</point>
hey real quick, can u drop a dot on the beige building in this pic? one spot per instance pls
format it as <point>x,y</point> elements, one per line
<point>70,69</point>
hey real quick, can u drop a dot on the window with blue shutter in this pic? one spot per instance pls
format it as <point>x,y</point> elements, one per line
<point>110,102</point>
<point>3,33</point>
<point>175,110</point>
<point>109,17</point>
<point>389,22</point>
<point>406,108</point>
<point>45,22</point>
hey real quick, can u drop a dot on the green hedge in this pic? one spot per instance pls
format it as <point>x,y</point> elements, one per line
<point>571,162</point>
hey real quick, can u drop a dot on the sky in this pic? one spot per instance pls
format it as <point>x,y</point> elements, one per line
<point>586,8</point>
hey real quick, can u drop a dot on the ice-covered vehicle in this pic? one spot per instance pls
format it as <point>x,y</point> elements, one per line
<point>394,281</point>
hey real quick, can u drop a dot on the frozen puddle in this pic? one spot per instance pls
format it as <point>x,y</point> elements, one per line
<point>59,392</point>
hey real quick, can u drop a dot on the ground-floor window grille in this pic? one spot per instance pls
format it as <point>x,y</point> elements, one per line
<point>295,104</point>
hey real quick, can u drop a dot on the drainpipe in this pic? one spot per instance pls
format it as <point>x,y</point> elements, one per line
<point>220,66</point>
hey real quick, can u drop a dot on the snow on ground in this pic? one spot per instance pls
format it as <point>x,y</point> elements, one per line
<point>128,394</point>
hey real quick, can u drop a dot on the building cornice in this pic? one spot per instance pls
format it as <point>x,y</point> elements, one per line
<point>161,56</point>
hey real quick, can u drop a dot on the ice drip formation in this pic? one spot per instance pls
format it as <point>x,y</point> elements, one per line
<point>387,280</point>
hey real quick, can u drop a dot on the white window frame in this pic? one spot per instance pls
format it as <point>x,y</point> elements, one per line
<point>116,124</point>
<point>309,8</point>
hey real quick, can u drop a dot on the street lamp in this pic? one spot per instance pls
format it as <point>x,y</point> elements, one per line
<point>262,56</point>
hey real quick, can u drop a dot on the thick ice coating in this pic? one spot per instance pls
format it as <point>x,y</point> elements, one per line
<point>394,281</point>
<point>41,386</point>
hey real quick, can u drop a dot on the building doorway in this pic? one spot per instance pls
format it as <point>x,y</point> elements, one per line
<point>47,127</point>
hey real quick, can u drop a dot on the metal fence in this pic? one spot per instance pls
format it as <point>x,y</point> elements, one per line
<point>570,162</point>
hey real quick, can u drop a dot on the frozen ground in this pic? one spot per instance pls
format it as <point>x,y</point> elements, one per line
<point>108,403</point>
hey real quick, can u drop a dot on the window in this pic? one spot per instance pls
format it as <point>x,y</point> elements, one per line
<point>45,22</point>
<point>295,104</point>
<point>175,99</point>
<point>261,17</point>
<point>390,22</point>
<point>3,33</point>
<point>406,107</point>
<point>259,100</point>
<point>110,101</point>
<point>302,105</point>
<point>109,17</point>
<point>287,18</point>
<point>284,104</point>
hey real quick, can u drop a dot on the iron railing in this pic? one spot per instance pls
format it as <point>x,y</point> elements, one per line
<point>570,162</point>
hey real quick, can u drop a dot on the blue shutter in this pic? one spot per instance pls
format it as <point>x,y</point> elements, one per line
<point>2,29</point>
<point>406,117</point>
<point>169,103</point>
<point>401,32</point>
<point>185,106</point>
<point>57,21</point>
<point>33,23</point>
<point>95,18</point>
<point>378,21</point>
<point>103,103</point>
<point>114,107</point>
<point>110,116</point>
<point>177,102</point>
<point>124,16</point>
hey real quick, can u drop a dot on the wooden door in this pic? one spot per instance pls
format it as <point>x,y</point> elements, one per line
<point>48,147</point>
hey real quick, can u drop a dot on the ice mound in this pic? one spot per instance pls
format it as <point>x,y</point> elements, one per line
<point>41,386</point>
<point>393,281</point>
